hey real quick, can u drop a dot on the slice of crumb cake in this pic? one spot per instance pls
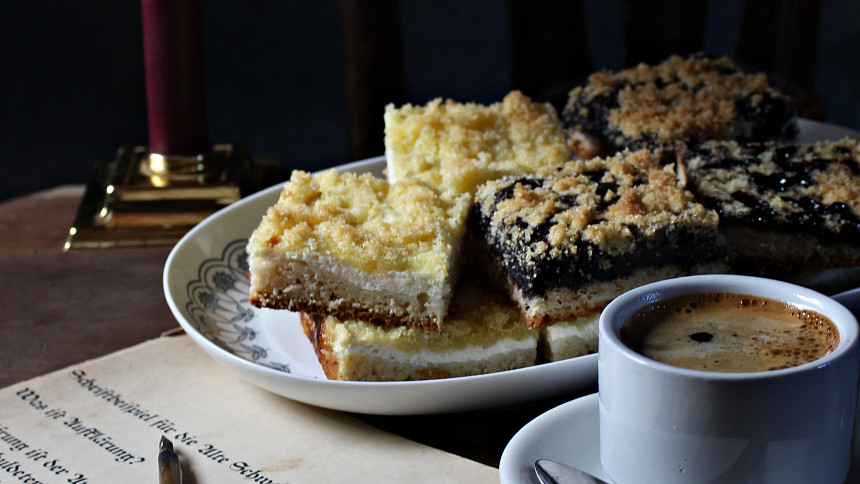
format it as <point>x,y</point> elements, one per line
<point>453,146</point>
<point>782,205</point>
<point>569,240</point>
<point>358,248</point>
<point>482,334</point>
<point>681,99</point>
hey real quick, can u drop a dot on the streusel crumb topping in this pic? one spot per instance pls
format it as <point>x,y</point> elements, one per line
<point>680,99</point>
<point>780,185</point>
<point>679,96</point>
<point>454,146</point>
<point>364,221</point>
<point>607,202</point>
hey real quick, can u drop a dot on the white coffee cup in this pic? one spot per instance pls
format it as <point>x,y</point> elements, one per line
<point>663,424</point>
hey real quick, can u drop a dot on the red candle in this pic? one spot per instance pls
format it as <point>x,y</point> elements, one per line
<point>173,56</point>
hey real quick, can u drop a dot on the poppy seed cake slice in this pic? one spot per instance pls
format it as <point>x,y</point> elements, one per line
<point>787,206</point>
<point>568,241</point>
<point>679,100</point>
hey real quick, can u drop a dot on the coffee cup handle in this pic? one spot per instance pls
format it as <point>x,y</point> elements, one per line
<point>851,300</point>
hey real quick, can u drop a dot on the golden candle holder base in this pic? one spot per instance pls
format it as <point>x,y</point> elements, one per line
<point>147,199</point>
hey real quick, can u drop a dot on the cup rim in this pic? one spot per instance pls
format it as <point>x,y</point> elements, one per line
<point>623,307</point>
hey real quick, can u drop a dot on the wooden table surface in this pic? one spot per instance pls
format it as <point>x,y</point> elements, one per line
<point>61,308</point>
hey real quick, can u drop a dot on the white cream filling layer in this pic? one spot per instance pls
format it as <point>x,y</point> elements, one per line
<point>584,328</point>
<point>440,356</point>
<point>394,281</point>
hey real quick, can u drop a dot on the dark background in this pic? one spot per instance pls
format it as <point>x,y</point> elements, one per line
<point>72,81</point>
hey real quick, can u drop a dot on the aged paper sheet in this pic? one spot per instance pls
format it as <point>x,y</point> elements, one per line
<point>101,422</point>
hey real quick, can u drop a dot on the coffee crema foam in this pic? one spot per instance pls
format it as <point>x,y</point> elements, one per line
<point>729,332</point>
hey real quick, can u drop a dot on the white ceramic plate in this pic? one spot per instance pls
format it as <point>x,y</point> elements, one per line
<point>570,433</point>
<point>812,131</point>
<point>206,287</point>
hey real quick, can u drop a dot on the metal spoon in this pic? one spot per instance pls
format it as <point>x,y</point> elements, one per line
<point>551,472</point>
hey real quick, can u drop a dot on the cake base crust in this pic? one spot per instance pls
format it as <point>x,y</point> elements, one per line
<point>296,285</point>
<point>566,304</point>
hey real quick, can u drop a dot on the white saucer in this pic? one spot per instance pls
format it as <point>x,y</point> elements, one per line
<point>570,433</point>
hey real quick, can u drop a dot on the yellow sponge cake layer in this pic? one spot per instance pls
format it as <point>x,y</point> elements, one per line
<point>453,146</point>
<point>482,334</point>
<point>356,247</point>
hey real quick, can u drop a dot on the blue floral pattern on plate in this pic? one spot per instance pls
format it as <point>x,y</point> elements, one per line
<point>218,305</point>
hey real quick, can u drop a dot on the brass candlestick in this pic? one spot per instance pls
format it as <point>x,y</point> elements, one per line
<point>152,195</point>
<point>146,199</point>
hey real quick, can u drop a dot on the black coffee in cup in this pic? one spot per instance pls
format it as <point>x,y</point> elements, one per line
<point>729,332</point>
